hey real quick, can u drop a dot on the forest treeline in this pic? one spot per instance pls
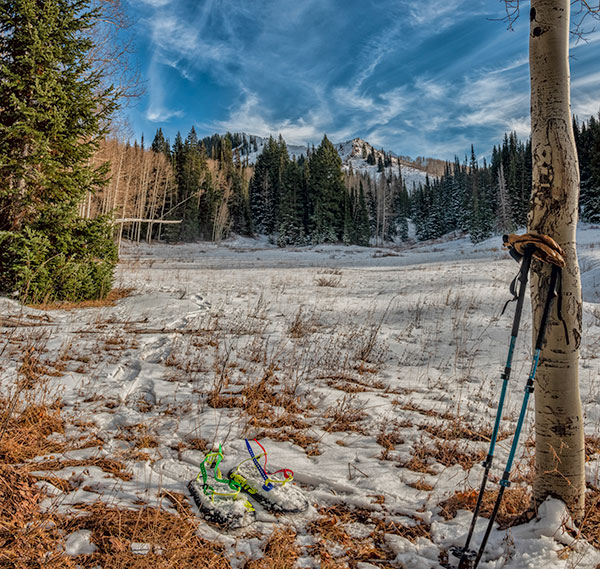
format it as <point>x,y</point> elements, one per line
<point>210,189</point>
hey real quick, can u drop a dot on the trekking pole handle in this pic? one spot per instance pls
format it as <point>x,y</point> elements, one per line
<point>523,275</point>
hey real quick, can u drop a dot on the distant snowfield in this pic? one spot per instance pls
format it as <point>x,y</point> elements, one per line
<point>367,343</point>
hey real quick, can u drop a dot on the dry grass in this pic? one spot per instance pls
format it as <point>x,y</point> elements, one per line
<point>25,428</point>
<point>443,452</point>
<point>592,447</point>
<point>108,465</point>
<point>333,526</point>
<point>110,300</point>
<point>388,440</point>
<point>590,525</point>
<point>344,416</point>
<point>280,551</point>
<point>28,538</point>
<point>302,324</point>
<point>421,485</point>
<point>455,428</point>
<point>171,538</point>
<point>515,503</point>
<point>309,443</point>
<point>138,435</point>
<point>330,281</point>
<point>34,539</point>
<point>410,406</point>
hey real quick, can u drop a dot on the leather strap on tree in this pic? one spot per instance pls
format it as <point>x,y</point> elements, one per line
<point>544,248</point>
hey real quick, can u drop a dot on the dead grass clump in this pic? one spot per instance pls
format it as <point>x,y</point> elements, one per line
<point>410,406</point>
<point>443,452</point>
<point>302,324</point>
<point>421,485</point>
<point>196,444</point>
<point>347,382</point>
<point>257,399</point>
<point>28,539</point>
<point>110,300</point>
<point>592,447</point>
<point>455,429</point>
<point>24,430</point>
<point>332,281</point>
<point>338,525</point>
<point>344,415</point>
<point>590,525</point>
<point>108,465</point>
<point>515,503</point>
<point>307,442</point>
<point>388,440</point>
<point>170,538</point>
<point>289,420</point>
<point>280,551</point>
<point>31,370</point>
<point>139,435</point>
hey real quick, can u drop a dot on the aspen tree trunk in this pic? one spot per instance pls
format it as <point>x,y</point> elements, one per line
<point>559,445</point>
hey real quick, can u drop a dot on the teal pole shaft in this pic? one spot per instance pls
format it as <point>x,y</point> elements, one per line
<point>505,481</point>
<point>523,274</point>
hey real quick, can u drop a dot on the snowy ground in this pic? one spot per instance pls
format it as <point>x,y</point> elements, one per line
<point>361,369</point>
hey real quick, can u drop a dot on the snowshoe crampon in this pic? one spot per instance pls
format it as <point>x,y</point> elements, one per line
<point>218,499</point>
<point>272,490</point>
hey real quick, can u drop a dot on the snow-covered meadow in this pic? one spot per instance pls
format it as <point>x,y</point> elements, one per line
<point>372,373</point>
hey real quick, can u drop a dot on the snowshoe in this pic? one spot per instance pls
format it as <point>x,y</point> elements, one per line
<point>218,499</point>
<point>271,490</point>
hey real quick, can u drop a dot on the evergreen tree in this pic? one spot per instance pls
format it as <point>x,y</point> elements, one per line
<point>51,111</point>
<point>160,145</point>
<point>327,190</point>
<point>291,227</point>
<point>589,160</point>
<point>266,186</point>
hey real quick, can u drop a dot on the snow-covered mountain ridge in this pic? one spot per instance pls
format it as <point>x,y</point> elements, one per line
<point>360,156</point>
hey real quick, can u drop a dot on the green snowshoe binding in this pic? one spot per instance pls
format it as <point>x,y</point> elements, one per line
<point>218,498</point>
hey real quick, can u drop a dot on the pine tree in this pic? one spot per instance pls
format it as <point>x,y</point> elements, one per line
<point>51,111</point>
<point>327,192</point>
<point>160,145</point>
<point>291,227</point>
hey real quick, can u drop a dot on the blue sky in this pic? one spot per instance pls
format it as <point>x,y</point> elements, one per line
<point>418,77</point>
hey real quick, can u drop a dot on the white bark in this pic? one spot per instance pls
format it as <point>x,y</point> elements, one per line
<point>560,457</point>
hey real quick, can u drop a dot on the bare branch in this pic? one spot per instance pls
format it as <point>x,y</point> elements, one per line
<point>580,11</point>
<point>113,46</point>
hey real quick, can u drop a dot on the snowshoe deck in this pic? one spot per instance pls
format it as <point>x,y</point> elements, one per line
<point>224,512</point>
<point>280,499</point>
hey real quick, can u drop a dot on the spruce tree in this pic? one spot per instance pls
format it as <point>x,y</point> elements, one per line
<point>327,192</point>
<point>51,111</point>
<point>291,227</point>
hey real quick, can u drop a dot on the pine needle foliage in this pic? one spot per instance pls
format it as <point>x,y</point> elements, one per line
<point>51,116</point>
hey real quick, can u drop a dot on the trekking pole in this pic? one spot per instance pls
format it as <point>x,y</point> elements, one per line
<point>505,482</point>
<point>466,555</point>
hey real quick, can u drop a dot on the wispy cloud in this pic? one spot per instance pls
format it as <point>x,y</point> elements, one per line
<point>419,77</point>
<point>157,112</point>
<point>251,117</point>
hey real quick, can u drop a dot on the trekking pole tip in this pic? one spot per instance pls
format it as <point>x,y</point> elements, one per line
<point>466,557</point>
